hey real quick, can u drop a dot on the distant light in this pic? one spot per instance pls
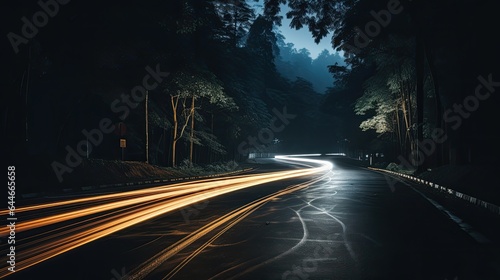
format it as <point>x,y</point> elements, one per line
<point>335,154</point>
<point>299,155</point>
<point>323,164</point>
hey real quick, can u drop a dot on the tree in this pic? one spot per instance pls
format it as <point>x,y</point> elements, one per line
<point>237,17</point>
<point>262,40</point>
<point>186,87</point>
<point>344,16</point>
<point>321,77</point>
<point>391,93</point>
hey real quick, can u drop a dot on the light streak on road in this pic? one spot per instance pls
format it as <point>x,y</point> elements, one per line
<point>61,226</point>
<point>230,219</point>
<point>299,155</point>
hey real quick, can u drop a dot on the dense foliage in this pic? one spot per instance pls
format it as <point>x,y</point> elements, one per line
<point>220,80</point>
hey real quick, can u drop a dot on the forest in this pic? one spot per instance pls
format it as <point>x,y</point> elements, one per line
<point>197,82</point>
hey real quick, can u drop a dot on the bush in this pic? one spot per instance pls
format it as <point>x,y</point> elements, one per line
<point>232,165</point>
<point>392,167</point>
<point>399,168</point>
<point>222,167</point>
<point>187,167</point>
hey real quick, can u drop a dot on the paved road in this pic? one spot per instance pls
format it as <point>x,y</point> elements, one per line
<point>343,223</point>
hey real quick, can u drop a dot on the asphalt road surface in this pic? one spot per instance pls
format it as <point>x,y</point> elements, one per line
<point>288,219</point>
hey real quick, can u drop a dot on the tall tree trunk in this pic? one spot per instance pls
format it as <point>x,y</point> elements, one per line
<point>210,151</point>
<point>147,127</point>
<point>420,63</point>
<point>26,93</point>
<point>406,105</point>
<point>398,125</point>
<point>174,137</point>
<point>192,132</point>
<point>439,105</point>
<point>174,100</point>
<point>416,12</point>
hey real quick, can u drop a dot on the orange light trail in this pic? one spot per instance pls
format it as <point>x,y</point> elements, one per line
<point>68,224</point>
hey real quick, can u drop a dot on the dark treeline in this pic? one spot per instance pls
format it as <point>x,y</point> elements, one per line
<point>213,89</point>
<point>234,85</point>
<point>421,75</point>
<point>292,63</point>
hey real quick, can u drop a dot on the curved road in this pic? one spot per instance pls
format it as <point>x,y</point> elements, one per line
<point>319,218</point>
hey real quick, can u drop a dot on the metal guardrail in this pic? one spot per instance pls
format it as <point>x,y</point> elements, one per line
<point>261,155</point>
<point>473,200</point>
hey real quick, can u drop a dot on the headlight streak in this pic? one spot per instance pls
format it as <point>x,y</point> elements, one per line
<point>110,213</point>
<point>230,219</point>
<point>326,179</point>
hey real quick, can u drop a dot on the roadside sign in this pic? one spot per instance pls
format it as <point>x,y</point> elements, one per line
<point>123,143</point>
